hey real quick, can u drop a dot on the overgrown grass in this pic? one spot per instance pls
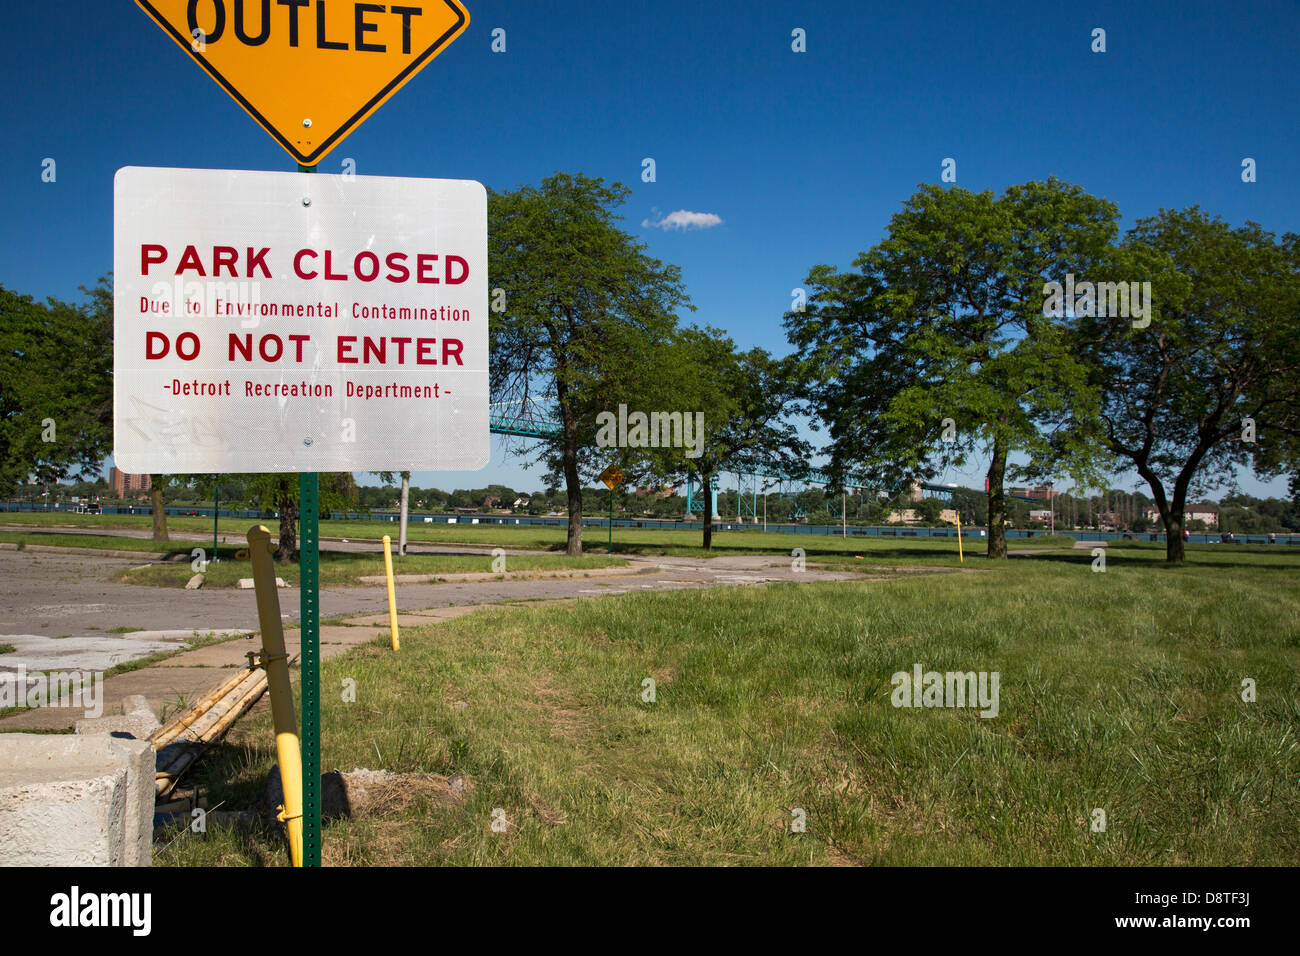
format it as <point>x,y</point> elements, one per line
<point>346,568</point>
<point>97,542</point>
<point>682,542</point>
<point>1120,691</point>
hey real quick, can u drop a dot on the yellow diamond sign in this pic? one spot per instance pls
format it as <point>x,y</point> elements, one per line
<point>612,477</point>
<point>310,71</point>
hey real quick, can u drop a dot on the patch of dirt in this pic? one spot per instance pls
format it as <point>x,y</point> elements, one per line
<point>837,857</point>
<point>378,793</point>
<point>664,675</point>
<point>560,710</point>
<point>547,813</point>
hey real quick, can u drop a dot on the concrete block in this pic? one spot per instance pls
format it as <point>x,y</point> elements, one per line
<point>137,720</point>
<point>194,583</point>
<point>75,801</point>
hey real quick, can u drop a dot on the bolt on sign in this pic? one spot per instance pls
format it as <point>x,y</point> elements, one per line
<point>281,322</point>
<point>310,71</point>
<point>612,477</point>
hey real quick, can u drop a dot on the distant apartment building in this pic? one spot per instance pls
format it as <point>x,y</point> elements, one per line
<point>1205,511</point>
<point>911,516</point>
<point>1044,516</point>
<point>129,486</point>
<point>1109,521</point>
<point>1043,493</point>
<point>656,491</point>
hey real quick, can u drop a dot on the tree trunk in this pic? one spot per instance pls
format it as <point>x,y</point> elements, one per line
<point>574,489</point>
<point>997,501</point>
<point>159,515</point>
<point>572,483</point>
<point>406,498</point>
<point>288,551</point>
<point>1175,550</point>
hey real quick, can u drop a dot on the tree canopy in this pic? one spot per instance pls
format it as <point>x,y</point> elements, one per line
<point>586,313</point>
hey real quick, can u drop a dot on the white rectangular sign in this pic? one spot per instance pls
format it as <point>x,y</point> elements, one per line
<point>269,322</point>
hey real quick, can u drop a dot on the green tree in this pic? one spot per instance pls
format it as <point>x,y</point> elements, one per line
<point>279,492</point>
<point>56,386</point>
<point>744,397</point>
<point>937,343</point>
<point>586,309</point>
<point>1220,352</point>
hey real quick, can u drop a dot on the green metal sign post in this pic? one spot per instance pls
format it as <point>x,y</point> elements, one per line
<point>309,589</point>
<point>309,613</point>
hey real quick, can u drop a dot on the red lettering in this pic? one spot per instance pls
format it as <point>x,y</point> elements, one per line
<point>328,274</point>
<point>180,342</point>
<point>297,264</point>
<point>261,347</point>
<point>356,266</point>
<point>391,260</point>
<point>227,256</point>
<point>464,270</point>
<point>245,347</point>
<point>401,347</point>
<point>257,262</point>
<point>348,339</point>
<point>151,255</point>
<point>190,260</point>
<point>423,263</point>
<point>298,340</point>
<point>451,349</point>
<point>149,339</point>
<point>422,348</point>
<point>374,347</point>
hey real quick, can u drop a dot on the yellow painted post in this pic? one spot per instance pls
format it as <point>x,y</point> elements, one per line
<point>276,663</point>
<point>960,556</point>
<point>392,595</point>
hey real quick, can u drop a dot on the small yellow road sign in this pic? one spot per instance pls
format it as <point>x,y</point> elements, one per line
<point>310,71</point>
<point>612,477</point>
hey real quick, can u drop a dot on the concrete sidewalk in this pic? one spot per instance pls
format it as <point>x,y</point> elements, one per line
<point>174,682</point>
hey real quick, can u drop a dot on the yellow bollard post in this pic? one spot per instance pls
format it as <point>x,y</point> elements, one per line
<point>392,595</point>
<point>960,556</point>
<point>276,663</point>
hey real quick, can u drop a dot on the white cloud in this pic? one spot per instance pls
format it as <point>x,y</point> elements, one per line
<point>683,219</point>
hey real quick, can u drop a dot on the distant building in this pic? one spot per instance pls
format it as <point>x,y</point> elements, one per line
<point>129,486</point>
<point>1042,493</point>
<point>1109,521</point>
<point>1044,516</point>
<point>662,491</point>
<point>910,516</point>
<point>1203,511</point>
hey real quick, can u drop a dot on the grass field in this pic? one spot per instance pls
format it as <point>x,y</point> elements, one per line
<point>684,542</point>
<point>1119,691</point>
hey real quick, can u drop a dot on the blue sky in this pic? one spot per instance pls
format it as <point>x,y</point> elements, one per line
<point>802,156</point>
